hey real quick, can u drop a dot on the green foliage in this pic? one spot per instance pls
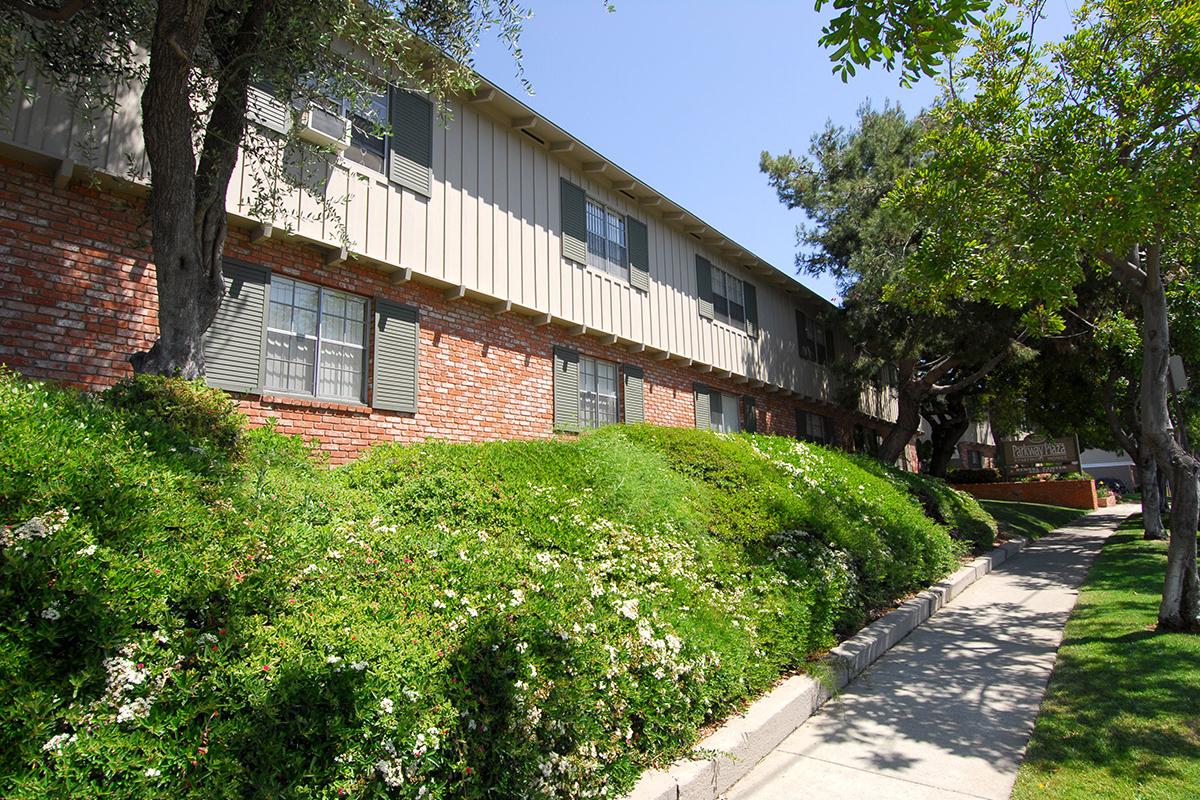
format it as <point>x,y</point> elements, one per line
<point>517,619</point>
<point>981,475</point>
<point>182,416</point>
<point>917,35</point>
<point>1119,718</point>
<point>958,511</point>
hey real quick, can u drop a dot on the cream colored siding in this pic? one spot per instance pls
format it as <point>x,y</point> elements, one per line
<point>492,224</point>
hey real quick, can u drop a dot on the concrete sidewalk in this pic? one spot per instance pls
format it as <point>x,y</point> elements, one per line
<point>948,711</point>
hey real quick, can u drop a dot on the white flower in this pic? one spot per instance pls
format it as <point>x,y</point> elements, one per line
<point>134,709</point>
<point>386,705</point>
<point>90,550</point>
<point>55,744</point>
<point>153,773</point>
<point>358,666</point>
<point>411,694</point>
<point>332,659</point>
<point>51,612</point>
<point>629,608</point>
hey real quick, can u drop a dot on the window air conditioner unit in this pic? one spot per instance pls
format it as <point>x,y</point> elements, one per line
<point>324,127</point>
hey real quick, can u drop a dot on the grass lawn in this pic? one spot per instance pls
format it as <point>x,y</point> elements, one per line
<point>1032,520</point>
<point>1122,716</point>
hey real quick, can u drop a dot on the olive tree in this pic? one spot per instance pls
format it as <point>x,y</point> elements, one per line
<point>194,62</point>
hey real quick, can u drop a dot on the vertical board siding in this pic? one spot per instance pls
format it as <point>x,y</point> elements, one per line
<point>492,221</point>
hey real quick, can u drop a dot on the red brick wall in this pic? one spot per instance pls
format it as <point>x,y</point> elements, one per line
<point>1072,494</point>
<point>77,297</point>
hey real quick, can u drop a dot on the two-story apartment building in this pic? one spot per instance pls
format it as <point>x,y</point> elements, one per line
<point>497,278</point>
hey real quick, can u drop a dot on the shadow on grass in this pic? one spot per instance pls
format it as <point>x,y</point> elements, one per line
<point>1031,520</point>
<point>1122,715</point>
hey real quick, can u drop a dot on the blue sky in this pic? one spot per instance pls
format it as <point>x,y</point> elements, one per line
<point>686,95</point>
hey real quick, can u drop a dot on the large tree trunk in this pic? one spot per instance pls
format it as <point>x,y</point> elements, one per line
<point>188,221</point>
<point>908,419</point>
<point>948,426</point>
<point>1180,607</point>
<point>1152,523</point>
<point>167,124</point>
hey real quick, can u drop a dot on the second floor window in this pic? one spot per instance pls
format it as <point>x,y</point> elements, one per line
<point>368,146</point>
<point>597,392</point>
<point>315,339</point>
<point>729,299</point>
<point>816,341</point>
<point>606,243</point>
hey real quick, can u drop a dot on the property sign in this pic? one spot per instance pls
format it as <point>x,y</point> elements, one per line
<point>1035,454</point>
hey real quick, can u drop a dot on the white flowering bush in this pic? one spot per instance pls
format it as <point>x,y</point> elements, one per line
<point>521,619</point>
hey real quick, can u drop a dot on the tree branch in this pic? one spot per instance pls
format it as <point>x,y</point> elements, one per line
<point>974,377</point>
<point>1125,270</point>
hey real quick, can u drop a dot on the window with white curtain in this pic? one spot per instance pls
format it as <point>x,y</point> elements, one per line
<point>597,392</point>
<point>723,413</point>
<point>607,247</point>
<point>315,341</point>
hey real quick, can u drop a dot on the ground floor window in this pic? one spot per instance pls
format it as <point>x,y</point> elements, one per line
<point>597,392</point>
<point>315,341</point>
<point>814,427</point>
<point>723,413</point>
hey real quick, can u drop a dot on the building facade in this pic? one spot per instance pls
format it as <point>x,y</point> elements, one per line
<point>482,278</point>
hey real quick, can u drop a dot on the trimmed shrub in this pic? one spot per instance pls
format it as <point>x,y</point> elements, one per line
<point>960,512</point>
<point>181,416</point>
<point>981,475</point>
<point>512,619</point>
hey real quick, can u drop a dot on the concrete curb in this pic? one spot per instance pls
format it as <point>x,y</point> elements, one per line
<point>746,739</point>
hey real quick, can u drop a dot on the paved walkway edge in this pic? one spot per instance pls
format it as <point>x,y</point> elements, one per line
<point>730,752</point>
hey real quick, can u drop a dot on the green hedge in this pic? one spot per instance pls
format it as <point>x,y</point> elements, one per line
<point>960,512</point>
<point>515,619</point>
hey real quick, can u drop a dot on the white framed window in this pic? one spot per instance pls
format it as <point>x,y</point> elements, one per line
<point>729,298</point>
<point>723,413</point>
<point>315,341</point>
<point>597,392</point>
<point>606,243</point>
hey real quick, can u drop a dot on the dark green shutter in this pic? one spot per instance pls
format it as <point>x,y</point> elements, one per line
<point>574,221</point>
<point>233,344</point>
<point>830,352</point>
<point>750,295</point>
<point>703,406</point>
<point>397,341</point>
<point>750,409</point>
<point>639,254</point>
<point>635,402</point>
<point>411,126</point>
<point>566,390</point>
<point>827,429</point>
<point>704,287</point>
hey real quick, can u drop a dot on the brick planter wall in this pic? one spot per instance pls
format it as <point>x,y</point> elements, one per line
<point>77,296</point>
<point>1072,494</point>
